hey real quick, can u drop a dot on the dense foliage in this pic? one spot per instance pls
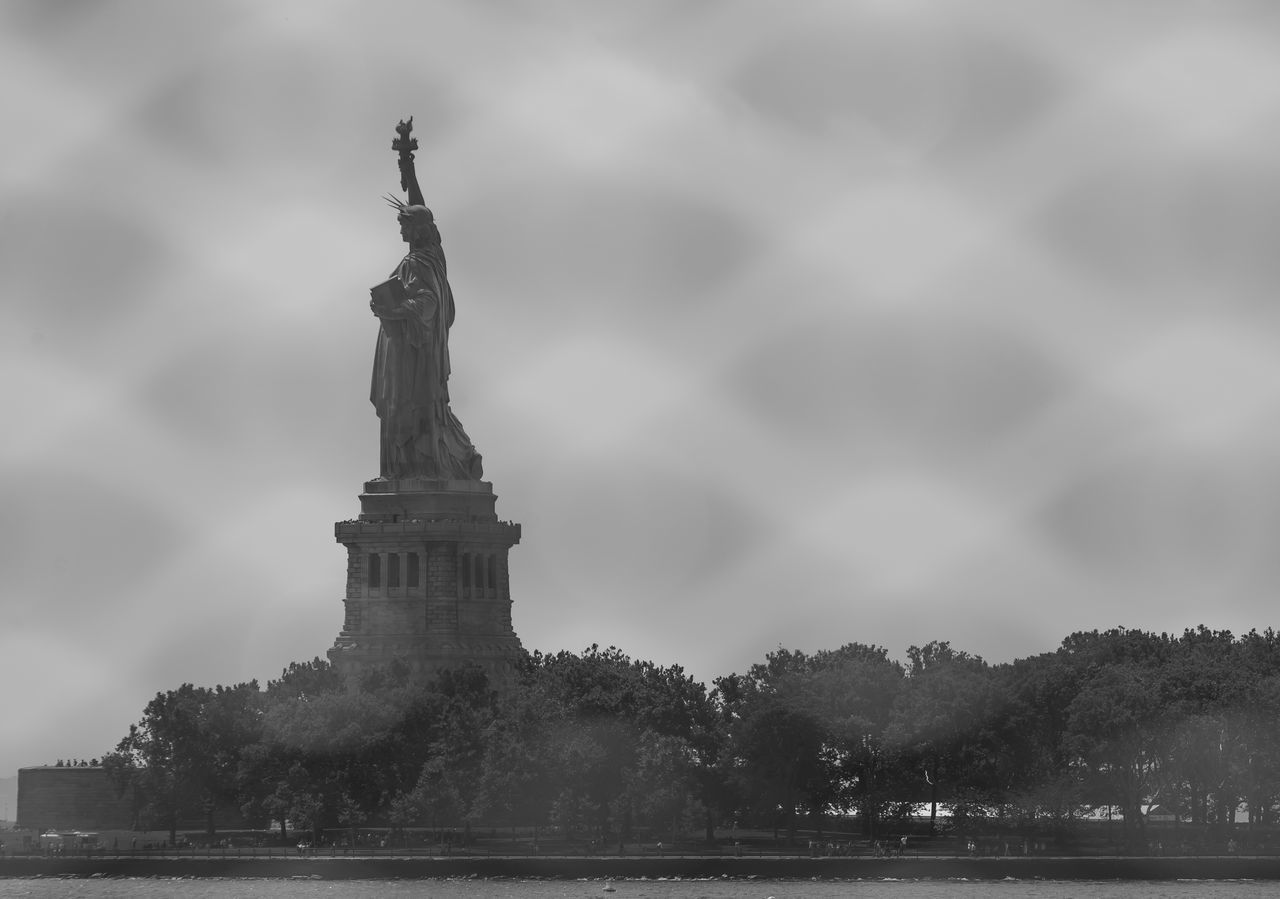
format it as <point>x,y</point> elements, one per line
<point>601,747</point>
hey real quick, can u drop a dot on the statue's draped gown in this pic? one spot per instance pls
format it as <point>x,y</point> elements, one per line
<point>421,437</point>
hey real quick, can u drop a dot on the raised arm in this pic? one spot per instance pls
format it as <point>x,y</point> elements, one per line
<point>405,145</point>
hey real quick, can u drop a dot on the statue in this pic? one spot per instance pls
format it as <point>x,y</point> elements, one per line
<point>420,435</point>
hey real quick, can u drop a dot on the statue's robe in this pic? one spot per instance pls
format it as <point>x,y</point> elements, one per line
<point>421,437</point>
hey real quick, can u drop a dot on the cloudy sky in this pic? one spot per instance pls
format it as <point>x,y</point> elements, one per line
<point>778,324</point>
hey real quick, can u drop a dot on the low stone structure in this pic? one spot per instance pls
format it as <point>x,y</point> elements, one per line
<point>72,798</point>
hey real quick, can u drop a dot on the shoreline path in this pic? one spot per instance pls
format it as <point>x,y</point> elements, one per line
<point>372,866</point>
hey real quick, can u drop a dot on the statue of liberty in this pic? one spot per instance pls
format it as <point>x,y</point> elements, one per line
<point>420,435</point>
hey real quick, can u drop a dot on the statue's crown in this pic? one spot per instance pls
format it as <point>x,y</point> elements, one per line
<point>419,215</point>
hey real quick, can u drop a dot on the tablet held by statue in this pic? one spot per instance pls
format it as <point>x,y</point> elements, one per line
<point>388,296</point>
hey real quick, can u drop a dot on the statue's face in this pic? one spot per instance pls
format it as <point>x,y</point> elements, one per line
<point>406,231</point>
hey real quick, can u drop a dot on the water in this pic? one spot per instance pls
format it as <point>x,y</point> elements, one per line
<point>243,888</point>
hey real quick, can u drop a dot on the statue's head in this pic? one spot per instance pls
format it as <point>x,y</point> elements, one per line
<point>417,224</point>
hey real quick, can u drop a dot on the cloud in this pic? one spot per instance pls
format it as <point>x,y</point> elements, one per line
<point>884,322</point>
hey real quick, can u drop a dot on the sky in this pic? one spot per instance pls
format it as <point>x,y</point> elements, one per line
<point>777,324</point>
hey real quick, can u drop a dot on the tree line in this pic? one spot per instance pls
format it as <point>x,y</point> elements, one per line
<point>598,746</point>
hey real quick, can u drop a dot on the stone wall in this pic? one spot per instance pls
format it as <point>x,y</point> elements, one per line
<point>71,798</point>
<point>84,798</point>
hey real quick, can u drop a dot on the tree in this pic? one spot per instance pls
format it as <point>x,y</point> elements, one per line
<point>334,751</point>
<point>826,716</point>
<point>1034,761</point>
<point>520,775</point>
<point>183,756</point>
<point>449,788</point>
<point>1120,734</point>
<point>598,706</point>
<point>941,724</point>
<point>1258,704</point>
<point>661,788</point>
<point>784,765</point>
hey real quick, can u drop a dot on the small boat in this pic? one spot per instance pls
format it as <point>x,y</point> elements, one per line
<point>609,887</point>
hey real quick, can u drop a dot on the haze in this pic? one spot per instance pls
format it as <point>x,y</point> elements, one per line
<point>777,325</point>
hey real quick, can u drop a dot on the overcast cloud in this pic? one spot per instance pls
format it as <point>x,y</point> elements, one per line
<point>790,324</point>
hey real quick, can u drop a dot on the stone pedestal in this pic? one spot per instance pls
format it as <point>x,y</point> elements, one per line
<point>427,580</point>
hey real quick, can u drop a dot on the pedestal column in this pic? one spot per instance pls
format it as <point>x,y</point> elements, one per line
<point>427,580</point>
